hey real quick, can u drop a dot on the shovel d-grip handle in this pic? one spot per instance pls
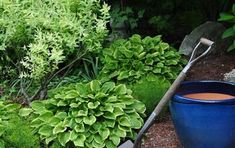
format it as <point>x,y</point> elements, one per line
<point>170,92</point>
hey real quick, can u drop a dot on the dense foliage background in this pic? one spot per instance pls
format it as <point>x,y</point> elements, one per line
<point>86,73</point>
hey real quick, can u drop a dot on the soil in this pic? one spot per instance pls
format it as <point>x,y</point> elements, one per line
<point>212,67</point>
<point>209,96</point>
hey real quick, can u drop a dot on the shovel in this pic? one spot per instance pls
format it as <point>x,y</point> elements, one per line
<point>170,92</point>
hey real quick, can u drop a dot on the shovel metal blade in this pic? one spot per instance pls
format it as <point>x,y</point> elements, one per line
<point>127,144</point>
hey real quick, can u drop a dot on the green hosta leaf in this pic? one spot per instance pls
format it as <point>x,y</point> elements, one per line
<point>36,123</point>
<point>61,103</point>
<point>78,119</point>
<point>79,142</point>
<point>110,123</point>
<point>89,120</point>
<point>59,128</point>
<point>75,105</point>
<point>100,95</point>
<point>71,94</point>
<point>97,126</point>
<point>115,139</point>
<point>82,113</point>
<point>107,87</point>
<point>110,144</point>
<point>97,145</point>
<point>104,133</point>
<point>54,121</point>
<point>95,85</point>
<point>38,106</point>
<point>98,139</point>
<point>119,132</point>
<point>45,130</point>
<point>124,121</point>
<point>61,115</point>
<point>49,139</point>
<point>25,111</point>
<point>79,128</point>
<point>81,89</point>
<point>139,107</point>
<point>118,111</point>
<point>109,115</point>
<point>93,105</point>
<point>123,75</point>
<point>136,123</point>
<point>229,32</point>
<point>73,135</point>
<point>112,99</point>
<point>121,89</point>
<point>107,107</point>
<point>46,116</point>
<point>64,138</point>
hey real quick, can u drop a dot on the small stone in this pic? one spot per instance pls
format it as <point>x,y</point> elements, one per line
<point>230,76</point>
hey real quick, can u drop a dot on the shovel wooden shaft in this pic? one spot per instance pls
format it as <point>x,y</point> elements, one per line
<point>168,95</point>
<point>170,92</point>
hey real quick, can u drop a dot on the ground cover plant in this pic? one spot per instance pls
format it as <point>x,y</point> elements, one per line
<point>87,115</point>
<point>14,130</point>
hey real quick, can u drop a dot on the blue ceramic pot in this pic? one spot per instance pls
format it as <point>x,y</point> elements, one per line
<point>204,123</point>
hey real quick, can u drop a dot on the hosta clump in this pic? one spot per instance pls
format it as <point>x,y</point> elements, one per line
<point>129,60</point>
<point>88,115</point>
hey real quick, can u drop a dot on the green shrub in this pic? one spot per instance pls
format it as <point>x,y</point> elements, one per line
<point>230,32</point>
<point>150,90</point>
<point>130,60</point>
<point>87,115</point>
<point>42,38</point>
<point>14,131</point>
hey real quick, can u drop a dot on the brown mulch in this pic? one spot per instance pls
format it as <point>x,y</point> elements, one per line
<point>212,67</point>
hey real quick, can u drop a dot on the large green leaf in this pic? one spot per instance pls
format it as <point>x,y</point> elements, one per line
<point>45,130</point>
<point>38,106</point>
<point>93,105</point>
<point>115,139</point>
<point>79,128</point>
<point>107,87</point>
<point>59,128</point>
<point>64,138</point>
<point>124,121</point>
<point>95,85</point>
<point>120,89</point>
<point>79,141</point>
<point>104,133</point>
<point>25,111</point>
<point>89,120</point>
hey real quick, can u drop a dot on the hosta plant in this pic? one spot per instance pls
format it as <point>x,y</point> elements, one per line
<point>93,114</point>
<point>129,60</point>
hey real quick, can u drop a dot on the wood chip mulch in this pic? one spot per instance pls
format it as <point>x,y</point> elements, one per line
<point>161,135</point>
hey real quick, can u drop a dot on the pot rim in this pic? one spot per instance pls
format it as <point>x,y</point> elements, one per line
<point>180,99</point>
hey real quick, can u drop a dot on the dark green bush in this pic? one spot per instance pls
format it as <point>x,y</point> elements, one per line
<point>150,90</point>
<point>87,115</point>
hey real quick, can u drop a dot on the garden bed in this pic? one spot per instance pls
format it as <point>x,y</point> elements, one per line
<point>212,67</point>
